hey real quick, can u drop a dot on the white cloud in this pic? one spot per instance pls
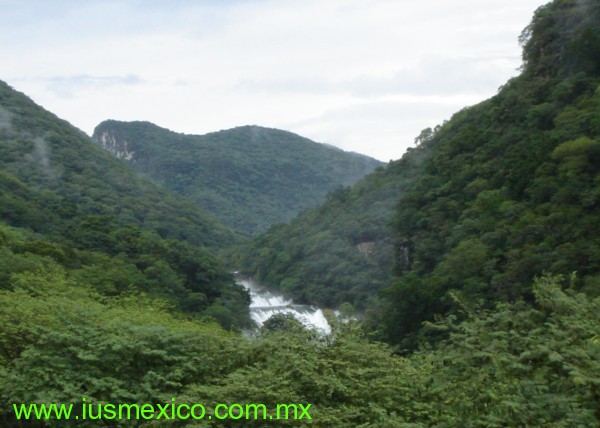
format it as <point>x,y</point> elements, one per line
<point>71,86</point>
<point>364,75</point>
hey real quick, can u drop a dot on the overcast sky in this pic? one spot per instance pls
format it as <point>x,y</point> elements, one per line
<point>364,75</point>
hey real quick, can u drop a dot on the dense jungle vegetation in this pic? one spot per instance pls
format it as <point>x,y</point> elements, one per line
<point>248,177</point>
<point>501,193</point>
<point>512,188</point>
<point>111,288</point>
<point>339,252</point>
<point>83,210</point>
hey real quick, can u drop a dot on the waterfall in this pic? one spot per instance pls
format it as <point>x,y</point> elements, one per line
<point>267,303</point>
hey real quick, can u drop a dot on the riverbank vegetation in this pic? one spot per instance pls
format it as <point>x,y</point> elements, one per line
<point>518,364</point>
<point>476,257</point>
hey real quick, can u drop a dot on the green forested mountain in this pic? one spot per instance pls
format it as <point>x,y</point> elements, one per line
<point>502,192</point>
<point>102,304</point>
<point>248,177</point>
<point>56,168</point>
<point>512,188</point>
<point>340,251</point>
<point>82,211</point>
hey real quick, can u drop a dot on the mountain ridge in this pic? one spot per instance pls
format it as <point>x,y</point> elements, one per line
<point>249,177</point>
<point>104,296</point>
<point>80,212</point>
<point>507,191</point>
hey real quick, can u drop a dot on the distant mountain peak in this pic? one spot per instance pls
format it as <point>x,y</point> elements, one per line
<point>250,177</point>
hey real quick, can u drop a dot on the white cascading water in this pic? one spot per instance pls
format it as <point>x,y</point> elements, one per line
<point>266,303</point>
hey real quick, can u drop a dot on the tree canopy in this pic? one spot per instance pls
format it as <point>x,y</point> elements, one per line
<point>248,177</point>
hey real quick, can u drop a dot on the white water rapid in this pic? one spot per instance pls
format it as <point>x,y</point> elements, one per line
<point>267,303</point>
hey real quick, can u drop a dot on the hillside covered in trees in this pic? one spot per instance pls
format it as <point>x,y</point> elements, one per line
<point>341,251</point>
<point>512,188</point>
<point>503,192</point>
<point>111,293</point>
<point>248,177</point>
<point>74,208</point>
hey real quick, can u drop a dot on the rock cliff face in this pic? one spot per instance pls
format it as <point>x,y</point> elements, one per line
<point>116,146</point>
<point>367,249</point>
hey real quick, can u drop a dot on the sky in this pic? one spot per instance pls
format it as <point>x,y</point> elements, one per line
<point>363,75</point>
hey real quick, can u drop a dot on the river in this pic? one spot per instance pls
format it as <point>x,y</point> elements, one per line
<point>267,303</point>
